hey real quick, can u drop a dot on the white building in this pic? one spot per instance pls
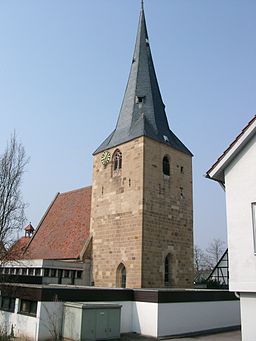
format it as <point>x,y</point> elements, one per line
<point>235,170</point>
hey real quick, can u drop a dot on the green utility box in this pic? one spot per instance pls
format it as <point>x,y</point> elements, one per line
<point>91,321</point>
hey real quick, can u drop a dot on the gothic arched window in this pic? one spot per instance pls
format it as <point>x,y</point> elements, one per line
<point>167,270</point>
<point>121,276</point>
<point>117,161</point>
<point>166,166</point>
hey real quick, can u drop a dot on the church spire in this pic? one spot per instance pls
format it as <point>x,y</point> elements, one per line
<point>142,112</point>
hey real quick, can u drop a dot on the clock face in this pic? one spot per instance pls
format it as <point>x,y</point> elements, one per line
<point>105,157</point>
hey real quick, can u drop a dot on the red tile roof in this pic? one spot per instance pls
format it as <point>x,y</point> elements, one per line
<point>16,251</point>
<point>64,228</point>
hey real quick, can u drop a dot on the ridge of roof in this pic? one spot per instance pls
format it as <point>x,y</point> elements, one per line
<point>237,138</point>
<point>142,111</point>
<point>76,190</point>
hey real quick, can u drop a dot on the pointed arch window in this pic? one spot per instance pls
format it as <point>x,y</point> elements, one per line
<point>166,165</point>
<point>117,162</point>
<point>167,270</point>
<point>121,276</point>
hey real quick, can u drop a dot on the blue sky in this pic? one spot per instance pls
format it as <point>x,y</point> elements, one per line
<point>63,70</point>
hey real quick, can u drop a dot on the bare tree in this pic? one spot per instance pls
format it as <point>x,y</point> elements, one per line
<point>12,167</point>
<point>214,251</point>
<point>199,259</point>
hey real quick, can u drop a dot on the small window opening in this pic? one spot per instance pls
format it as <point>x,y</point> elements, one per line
<point>79,274</point>
<point>7,303</point>
<point>167,270</point>
<point>140,99</point>
<point>181,169</point>
<point>181,193</point>
<point>117,161</point>
<point>66,273</point>
<point>28,307</point>
<point>166,166</point>
<point>37,272</point>
<point>46,272</point>
<point>121,276</point>
<point>53,272</point>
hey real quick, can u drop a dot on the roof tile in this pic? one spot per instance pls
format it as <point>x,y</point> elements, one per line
<point>64,228</point>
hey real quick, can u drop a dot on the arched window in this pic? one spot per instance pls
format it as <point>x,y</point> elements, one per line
<point>121,276</point>
<point>166,166</point>
<point>167,270</point>
<point>117,161</point>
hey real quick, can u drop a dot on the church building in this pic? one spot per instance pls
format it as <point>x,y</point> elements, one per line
<point>134,227</point>
<point>105,260</point>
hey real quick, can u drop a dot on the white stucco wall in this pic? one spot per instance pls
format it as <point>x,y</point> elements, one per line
<point>23,325</point>
<point>240,193</point>
<point>248,306</point>
<point>150,319</point>
<point>145,318</point>
<point>188,317</point>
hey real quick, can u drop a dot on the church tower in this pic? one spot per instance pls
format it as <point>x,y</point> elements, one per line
<point>141,216</point>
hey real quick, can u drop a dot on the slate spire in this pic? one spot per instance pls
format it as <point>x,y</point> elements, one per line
<point>142,112</point>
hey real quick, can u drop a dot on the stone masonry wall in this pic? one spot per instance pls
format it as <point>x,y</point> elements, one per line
<point>116,217</point>
<point>141,215</point>
<point>168,217</point>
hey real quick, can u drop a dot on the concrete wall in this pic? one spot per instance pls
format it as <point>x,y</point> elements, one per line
<point>72,320</point>
<point>189,317</point>
<point>167,319</point>
<point>240,193</point>
<point>248,306</point>
<point>23,325</point>
<point>145,318</point>
<point>50,319</point>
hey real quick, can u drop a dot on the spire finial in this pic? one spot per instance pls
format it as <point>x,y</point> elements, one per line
<point>142,4</point>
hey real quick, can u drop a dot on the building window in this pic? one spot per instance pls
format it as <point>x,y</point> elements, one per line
<point>53,272</point>
<point>31,271</point>
<point>117,162</point>
<point>166,166</point>
<point>140,99</point>
<point>24,271</point>
<point>37,272</point>
<point>46,272</point>
<point>167,270</point>
<point>66,273</point>
<point>254,225</point>
<point>79,274</point>
<point>28,307</point>
<point>7,303</point>
<point>121,276</point>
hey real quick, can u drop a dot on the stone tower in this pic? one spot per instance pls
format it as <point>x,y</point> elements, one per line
<point>141,216</point>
